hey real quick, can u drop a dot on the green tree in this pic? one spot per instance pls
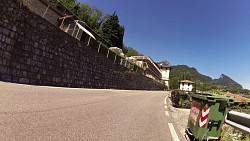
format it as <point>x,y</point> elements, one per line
<point>174,82</point>
<point>112,31</point>
<point>105,25</point>
<point>92,16</point>
<point>186,76</point>
<point>70,4</point>
<point>129,51</point>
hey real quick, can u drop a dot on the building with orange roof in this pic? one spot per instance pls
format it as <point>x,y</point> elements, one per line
<point>238,98</point>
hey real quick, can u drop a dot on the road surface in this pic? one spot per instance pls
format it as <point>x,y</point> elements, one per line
<point>51,113</point>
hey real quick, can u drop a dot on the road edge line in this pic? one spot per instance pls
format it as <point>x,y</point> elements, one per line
<point>173,132</point>
<point>165,100</point>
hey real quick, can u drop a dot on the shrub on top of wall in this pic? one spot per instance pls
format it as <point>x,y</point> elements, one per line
<point>112,55</point>
<point>94,44</point>
<point>103,50</point>
<point>118,59</point>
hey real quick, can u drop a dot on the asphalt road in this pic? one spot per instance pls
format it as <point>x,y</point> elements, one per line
<point>33,113</point>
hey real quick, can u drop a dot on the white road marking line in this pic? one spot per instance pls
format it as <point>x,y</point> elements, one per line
<point>165,100</point>
<point>166,113</point>
<point>166,107</point>
<point>173,133</point>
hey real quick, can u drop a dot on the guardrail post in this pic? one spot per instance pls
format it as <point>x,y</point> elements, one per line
<point>115,57</point>
<point>108,54</point>
<point>89,40</point>
<point>99,48</point>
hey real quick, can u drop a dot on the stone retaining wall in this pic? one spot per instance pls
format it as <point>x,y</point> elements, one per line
<point>34,51</point>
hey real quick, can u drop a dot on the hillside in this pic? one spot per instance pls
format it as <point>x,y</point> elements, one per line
<point>182,72</point>
<point>227,81</point>
<point>203,82</point>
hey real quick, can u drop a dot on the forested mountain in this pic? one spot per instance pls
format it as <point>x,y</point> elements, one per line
<point>183,72</point>
<point>203,82</point>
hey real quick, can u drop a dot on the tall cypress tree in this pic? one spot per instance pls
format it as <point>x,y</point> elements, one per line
<point>112,31</point>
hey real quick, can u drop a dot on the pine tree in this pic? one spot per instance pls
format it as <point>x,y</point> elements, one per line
<point>112,31</point>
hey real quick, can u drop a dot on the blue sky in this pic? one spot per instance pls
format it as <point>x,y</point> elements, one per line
<point>210,35</point>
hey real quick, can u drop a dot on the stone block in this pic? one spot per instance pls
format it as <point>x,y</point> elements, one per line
<point>4,62</point>
<point>24,73</point>
<point>6,78</point>
<point>5,20</point>
<point>14,28</point>
<point>24,80</point>
<point>3,69</point>
<point>1,53</point>
<point>12,34</point>
<point>33,82</point>
<point>9,47</point>
<point>35,44</point>
<point>6,55</point>
<point>15,79</point>
<point>6,32</point>
<point>3,38</point>
<point>38,76</point>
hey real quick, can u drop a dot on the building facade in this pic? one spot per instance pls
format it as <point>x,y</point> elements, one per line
<point>152,70</point>
<point>186,85</point>
<point>165,72</point>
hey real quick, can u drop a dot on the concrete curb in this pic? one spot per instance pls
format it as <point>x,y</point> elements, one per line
<point>171,108</point>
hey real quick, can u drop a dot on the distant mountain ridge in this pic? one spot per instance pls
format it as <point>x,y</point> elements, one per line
<point>203,82</point>
<point>189,72</point>
<point>227,81</point>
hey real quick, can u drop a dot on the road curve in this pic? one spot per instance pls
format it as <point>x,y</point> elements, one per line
<point>50,113</point>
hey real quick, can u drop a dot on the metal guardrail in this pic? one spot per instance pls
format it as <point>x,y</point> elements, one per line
<point>239,120</point>
<point>77,30</point>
